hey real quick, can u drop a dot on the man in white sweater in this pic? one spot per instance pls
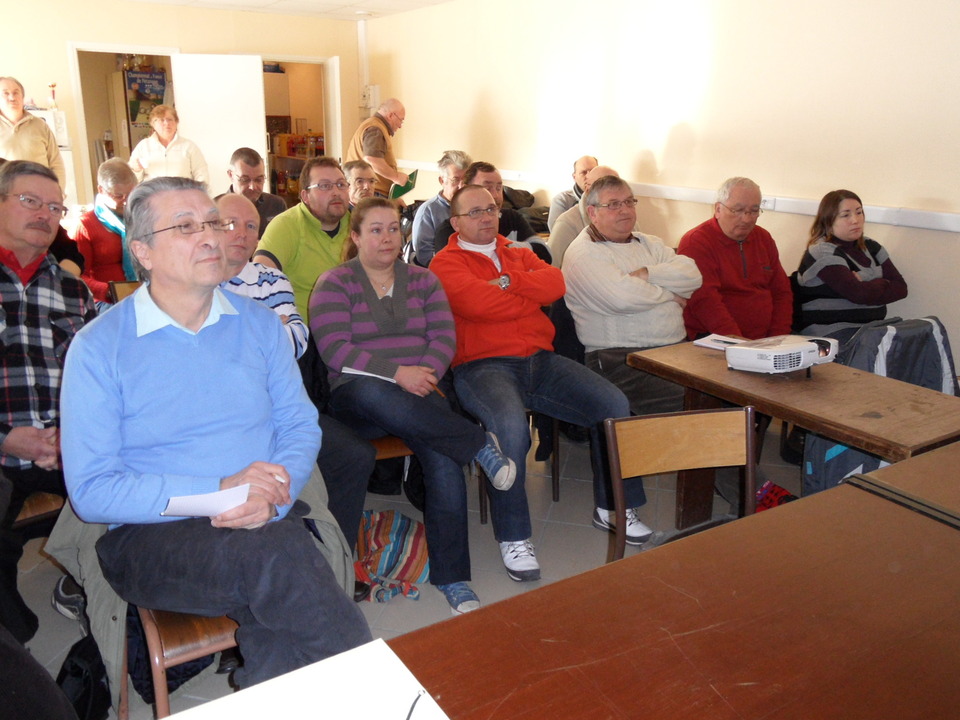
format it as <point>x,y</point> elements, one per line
<point>626,291</point>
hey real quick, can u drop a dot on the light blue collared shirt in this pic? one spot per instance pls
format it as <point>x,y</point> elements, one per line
<point>150,317</point>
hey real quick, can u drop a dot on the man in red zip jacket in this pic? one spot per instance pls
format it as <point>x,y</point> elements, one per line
<point>505,364</point>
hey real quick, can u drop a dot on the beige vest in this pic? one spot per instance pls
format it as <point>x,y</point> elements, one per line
<point>355,151</point>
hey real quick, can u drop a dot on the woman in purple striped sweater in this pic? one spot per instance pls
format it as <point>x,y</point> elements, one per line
<point>386,333</point>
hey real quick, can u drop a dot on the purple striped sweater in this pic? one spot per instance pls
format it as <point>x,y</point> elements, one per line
<point>353,328</point>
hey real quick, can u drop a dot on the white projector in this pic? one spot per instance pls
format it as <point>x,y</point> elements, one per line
<point>781,353</point>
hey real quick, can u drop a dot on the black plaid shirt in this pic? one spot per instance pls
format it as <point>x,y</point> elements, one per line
<point>37,323</point>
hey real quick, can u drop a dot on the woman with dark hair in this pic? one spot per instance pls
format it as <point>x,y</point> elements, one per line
<point>385,332</point>
<point>845,279</point>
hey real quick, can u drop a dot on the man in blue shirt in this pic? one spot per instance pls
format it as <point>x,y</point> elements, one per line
<point>181,391</point>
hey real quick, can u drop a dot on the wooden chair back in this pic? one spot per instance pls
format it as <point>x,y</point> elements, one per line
<point>117,290</point>
<point>671,442</point>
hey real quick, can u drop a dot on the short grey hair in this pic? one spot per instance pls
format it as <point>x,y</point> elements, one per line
<point>115,172</point>
<point>141,217</point>
<point>353,166</point>
<point>13,169</point>
<point>14,80</point>
<point>454,158</point>
<point>723,194</point>
<point>607,182</point>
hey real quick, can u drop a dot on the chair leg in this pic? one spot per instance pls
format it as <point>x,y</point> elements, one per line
<point>481,491</point>
<point>158,671</point>
<point>123,712</point>
<point>555,460</point>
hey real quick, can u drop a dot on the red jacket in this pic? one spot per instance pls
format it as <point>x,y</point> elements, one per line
<point>492,322</point>
<point>745,291</point>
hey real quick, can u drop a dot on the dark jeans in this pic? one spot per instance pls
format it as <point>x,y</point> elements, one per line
<point>498,392</point>
<point>14,613</point>
<point>273,581</point>
<point>648,394</point>
<point>443,442</point>
<point>346,461</point>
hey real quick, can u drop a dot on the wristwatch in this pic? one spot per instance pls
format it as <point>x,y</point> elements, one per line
<point>504,281</point>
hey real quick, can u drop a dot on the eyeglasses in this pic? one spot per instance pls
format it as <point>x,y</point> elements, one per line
<point>480,212</point>
<point>232,224</point>
<point>363,182</point>
<point>743,212</point>
<point>247,180</point>
<point>192,227</point>
<point>327,187</point>
<point>31,202</point>
<point>617,204</point>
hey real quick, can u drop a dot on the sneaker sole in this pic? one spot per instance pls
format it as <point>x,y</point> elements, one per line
<point>523,575</point>
<point>457,611</point>
<point>635,541</point>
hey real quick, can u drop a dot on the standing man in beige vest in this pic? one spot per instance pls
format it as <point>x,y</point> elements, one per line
<point>372,143</point>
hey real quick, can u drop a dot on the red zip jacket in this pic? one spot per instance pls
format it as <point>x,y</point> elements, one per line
<point>492,322</point>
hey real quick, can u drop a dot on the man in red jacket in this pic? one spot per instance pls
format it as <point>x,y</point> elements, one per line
<point>505,364</point>
<point>745,291</point>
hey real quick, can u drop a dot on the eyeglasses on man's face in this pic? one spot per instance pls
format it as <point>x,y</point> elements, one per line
<point>617,204</point>
<point>742,212</point>
<point>32,202</point>
<point>192,227</point>
<point>327,187</point>
<point>480,212</point>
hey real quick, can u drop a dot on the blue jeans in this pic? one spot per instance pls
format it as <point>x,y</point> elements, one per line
<point>443,442</point>
<point>498,392</point>
<point>273,581</point>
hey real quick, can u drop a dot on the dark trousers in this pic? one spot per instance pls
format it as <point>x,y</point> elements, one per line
<point>273,581</point>
<point>442,440</point>
<point>346,461</point>
<point>14,613</point>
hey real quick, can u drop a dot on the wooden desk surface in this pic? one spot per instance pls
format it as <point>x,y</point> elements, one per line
<point>929,482</point>
<point>889,418</point>
<point>816,609</point>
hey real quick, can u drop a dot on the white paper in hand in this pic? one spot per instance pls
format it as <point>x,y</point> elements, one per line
<point>208,505</point>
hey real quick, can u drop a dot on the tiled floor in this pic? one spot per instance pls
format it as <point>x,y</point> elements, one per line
<point>566,542</point>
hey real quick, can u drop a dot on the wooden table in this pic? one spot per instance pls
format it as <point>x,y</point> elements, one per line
<point>889,418</point>
<point>840,605</point>
<point>929,483</point>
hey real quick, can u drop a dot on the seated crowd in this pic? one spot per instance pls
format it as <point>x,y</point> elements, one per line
<point>449,353</point>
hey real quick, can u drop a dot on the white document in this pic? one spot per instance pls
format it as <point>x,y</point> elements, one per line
<point>328,689</point>
<point>718,342</point>
<point>364,373</point>
<point>207,505</point>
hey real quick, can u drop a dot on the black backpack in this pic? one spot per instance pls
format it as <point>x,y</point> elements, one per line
<point>83,679</point>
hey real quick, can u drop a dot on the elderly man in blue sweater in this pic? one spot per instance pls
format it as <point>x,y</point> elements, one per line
<point>182,391</point>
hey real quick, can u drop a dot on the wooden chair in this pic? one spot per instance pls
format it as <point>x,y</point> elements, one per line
<point>117,290</point>
<point>172,639</point>
<point>669,442</point>
<point>39,506</point>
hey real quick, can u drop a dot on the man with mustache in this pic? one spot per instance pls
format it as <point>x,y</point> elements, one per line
<point>43,308</point>
<point>308,239</point>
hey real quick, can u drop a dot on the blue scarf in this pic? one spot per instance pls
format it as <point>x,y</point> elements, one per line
<point>115,224</point>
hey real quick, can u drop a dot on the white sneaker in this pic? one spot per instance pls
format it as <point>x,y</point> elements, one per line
<point>520,561</point>
<point>637,532</point>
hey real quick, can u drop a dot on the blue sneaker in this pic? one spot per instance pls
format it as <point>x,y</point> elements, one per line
<point>501,470</point>
<point>461,598</point>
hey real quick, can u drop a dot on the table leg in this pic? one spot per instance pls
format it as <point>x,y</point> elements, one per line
<point>695,487</point>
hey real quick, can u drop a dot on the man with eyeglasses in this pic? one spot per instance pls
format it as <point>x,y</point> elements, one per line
<point>180,391</point>
<point>435,211</point>
<point>361,179</point>
<point>373,143</point>
<point>307,240</point>
<point>43,308</point>
<point>505,364</point>
<point>511,224</point>
<point>248,177</point>
<point>571,222</point>
<point>626,292</point>
<point>745,291</point>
